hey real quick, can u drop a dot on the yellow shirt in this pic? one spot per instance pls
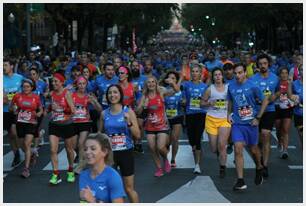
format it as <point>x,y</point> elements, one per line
<point>249,70</point>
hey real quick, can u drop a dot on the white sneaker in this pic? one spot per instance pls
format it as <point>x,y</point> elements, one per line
<point>197,169</point>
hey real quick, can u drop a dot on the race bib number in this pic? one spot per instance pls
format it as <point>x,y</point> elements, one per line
<point>10,95</point>
<point>171,112</point>
<point>118,142</point>
<point>195,103</point>
<point>58,115</point>
<point>153,118</point>
<point>80,113</point>
<point>24,116</point>
<point>245,113</point>
<point>267,92</point>
<point>220,104</point>
<point>283,98</point>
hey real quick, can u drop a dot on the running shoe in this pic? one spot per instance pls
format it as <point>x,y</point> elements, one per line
<point>173,164</point>
<point>280,147</point>
<point>284,154</point>
<point>159,172</point>
<point>258,177</point>
<point>229,149</point>
<point>55,179</point>
<point>138,148</point>
<point>265,172</point>
<point>240,185</point>
<point>70,177</point>
<point>25,173</point>
<point>167,166</point>
<point>222,172</point>
<point>16,160</point>
<point>197,169</point>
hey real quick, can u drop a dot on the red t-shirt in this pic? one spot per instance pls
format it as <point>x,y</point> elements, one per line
<point>156,118</point>
<point>81,106</point>
<point>26,107</point>
<point>129,97</point>
<point>62,112</point>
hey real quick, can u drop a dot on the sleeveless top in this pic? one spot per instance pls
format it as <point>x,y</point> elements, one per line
<point>283,102</point>
<point>156,117</point>
<point>117,130</point>
<point>129,97</point>
<point>219,109</point>
<point>81,106</point>
<point>63,112</point>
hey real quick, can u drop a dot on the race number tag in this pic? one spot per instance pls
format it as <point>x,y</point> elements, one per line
<point>118,142</point>
<point>171,112</point>
<point>80,113</point>
<point>24,116</point>
<point>195,103</point>
<point>58,115</point>
<point>245,113</point>
<point>267,92</point>
<point>10,95</point>
<point>220,104</point>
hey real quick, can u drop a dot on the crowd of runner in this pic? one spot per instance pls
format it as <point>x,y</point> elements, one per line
<point>104,105</point>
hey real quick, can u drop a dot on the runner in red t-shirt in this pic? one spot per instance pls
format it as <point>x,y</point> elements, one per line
<point>28,108</point>
<point>81,118</point>
<point>127,86</point>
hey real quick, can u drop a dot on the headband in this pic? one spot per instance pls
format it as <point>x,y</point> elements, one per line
<point>124,69</point>
<point>59,77</point>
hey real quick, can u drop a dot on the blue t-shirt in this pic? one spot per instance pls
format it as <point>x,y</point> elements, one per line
<point>139,82</point>
<point>41,88</point>
<point>229,81</point>
<point>243,97</point>
<point>116,128</point>
<point>297,89</point>
<point>211,65</point>
<point>173,105</point>
<point>11,85</point>
<point>106,187</point>
<point>101,84</point>
<point>268,86</point>
<point>193,94</point>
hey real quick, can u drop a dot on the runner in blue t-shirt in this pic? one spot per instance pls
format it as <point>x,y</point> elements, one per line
<point>102,82</point>
<point>11,85</point>
<point>100,183</point>
<point>297,90</point>
<point>212,62</point>
<point>120,124</point>
<point>195,114</point>
<point>268,85</point>
<point>245,116</point>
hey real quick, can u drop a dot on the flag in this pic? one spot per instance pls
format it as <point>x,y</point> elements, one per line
<point>134,41</point>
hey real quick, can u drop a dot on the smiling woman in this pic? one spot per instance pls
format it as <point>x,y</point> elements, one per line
<point>100,183</point>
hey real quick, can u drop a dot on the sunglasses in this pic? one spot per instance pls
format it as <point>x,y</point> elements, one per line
<point>121,72</point>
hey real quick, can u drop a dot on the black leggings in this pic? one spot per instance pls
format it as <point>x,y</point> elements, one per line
<point>195,126</point>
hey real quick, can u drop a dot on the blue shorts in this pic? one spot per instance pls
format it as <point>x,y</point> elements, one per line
<point>245,133</point>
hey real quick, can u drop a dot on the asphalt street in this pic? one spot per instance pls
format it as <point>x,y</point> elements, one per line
<point>284,185</point>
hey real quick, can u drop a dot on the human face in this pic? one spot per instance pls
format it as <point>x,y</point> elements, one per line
<point>195,74</point>
<point>229,73</point>
<point>32,56</point>
<point>148,67</point>
<point>223,55</point>
<point>82,85</point>
<point>284,74</point>
<point>113,95</point>
<point>27,88</point>
<point>75,73</point>
<point>299,60</point>
<point>247,59</point>
<point>57,84</point>
<point>240,74</point>
<point>34,75</point>
<point>7,68</point>
<point>84,60</point>
<point>211,57</point>
<point>117,62</point>
<point>109,71</point>
<point>218,77</point>
<point>151,84</point>
<point>94,154</point>
<point>123,75</point>
<point>172,78</point>
<point>86,73</point>
<point>263,65</point>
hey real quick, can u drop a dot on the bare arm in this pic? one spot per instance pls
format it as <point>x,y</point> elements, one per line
<point>70,101</point>
<point>205,97</point>
<point>133,124</point>
<point>101,123</point>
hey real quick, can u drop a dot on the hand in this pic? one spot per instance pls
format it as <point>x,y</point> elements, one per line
<point>230,119</point>
<point>86,194</point>
<point>92,98</point>
<point>5,99</point>
<point>255,122</point>
<point>38,114</point>
<point>212,103</point>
